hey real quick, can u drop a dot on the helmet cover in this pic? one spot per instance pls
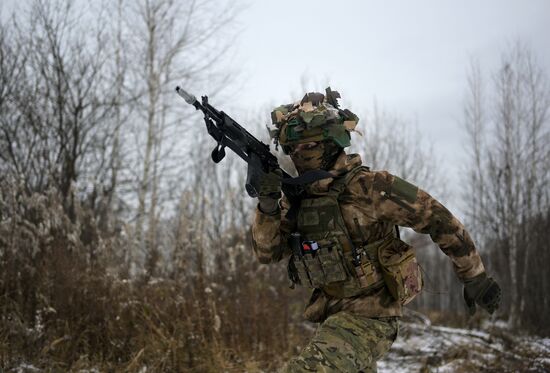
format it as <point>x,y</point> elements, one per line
<point>316,117</point>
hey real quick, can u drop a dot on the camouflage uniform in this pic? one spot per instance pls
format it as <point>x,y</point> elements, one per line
<point>346,342</point>
<point>356,331</point>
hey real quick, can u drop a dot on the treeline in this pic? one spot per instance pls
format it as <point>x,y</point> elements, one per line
<point>505,186</point>
<point>508,127</point>
<point>122,245</point>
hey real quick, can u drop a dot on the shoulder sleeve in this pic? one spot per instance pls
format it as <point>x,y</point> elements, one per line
<point>402,203</point>
<point>270,234</point>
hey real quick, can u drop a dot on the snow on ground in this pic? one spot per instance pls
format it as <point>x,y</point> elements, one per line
<point>26,368</point>
<point>422,347</point>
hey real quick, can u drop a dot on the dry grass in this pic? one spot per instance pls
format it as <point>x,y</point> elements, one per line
<point>67,304</point>
<point>64,308</point>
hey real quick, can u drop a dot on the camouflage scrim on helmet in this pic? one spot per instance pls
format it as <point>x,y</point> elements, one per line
<point>316,117</point>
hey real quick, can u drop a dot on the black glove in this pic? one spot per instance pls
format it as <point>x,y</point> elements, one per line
<point>270,191</point>
<point>482,290</point>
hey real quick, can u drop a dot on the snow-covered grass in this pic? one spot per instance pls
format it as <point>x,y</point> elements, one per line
<point>422,347</point>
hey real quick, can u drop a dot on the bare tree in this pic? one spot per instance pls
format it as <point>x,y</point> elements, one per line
<point>475,126</point>
<point>57,131</point>
<point>510,172</point>
<point>174,42</point>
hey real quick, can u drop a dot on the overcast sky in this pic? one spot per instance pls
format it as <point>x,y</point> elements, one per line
<point>411,55</point>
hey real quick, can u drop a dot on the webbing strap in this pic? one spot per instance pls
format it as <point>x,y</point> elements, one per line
<point>373,246</point>
<point>371,250</point>
<point>292,212</point>
<point>307,177</point>
<point>339,184</point>
<point>337,187</point>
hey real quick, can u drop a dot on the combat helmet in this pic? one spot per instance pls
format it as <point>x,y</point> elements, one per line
<point>316,117</point>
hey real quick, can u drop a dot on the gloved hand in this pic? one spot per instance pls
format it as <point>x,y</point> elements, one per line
<point>482,290</point>
<point>270,191</point>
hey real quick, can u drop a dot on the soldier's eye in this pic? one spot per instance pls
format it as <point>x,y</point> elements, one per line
<point>304,146</point>
<point>311,145</point>
<point>307,145</point>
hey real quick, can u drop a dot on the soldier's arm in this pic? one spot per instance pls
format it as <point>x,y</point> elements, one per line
<point>270,234</point>
<point>404,204</point>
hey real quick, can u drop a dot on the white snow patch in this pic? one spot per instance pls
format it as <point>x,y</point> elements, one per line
<point>26,368</point>
<point>444,349</point>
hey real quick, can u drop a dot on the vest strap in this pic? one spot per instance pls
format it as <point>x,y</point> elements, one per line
<point>339,183</point>
<point>371,249</point>
<point>307,177</point>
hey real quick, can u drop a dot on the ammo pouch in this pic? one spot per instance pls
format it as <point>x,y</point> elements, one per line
<point>388,261</point>
<point>321,267</point>
<point>400,269</point>
<point>330,271</point>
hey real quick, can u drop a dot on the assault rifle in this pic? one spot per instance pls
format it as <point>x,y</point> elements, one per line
<point>228,133</point>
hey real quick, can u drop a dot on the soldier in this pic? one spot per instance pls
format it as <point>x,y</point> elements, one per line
<point>341,239</point>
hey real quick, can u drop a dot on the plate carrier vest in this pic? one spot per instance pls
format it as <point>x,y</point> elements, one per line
<point>324,256</point>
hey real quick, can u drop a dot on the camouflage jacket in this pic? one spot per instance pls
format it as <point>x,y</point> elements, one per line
<point>367,198</point>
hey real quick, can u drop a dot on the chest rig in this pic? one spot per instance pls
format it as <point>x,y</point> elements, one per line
<point>323,253</point>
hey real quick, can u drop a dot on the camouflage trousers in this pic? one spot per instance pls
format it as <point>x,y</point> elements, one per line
<point>346,343</point>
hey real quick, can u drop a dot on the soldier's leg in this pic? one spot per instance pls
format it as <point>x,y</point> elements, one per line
<point>346,343</point>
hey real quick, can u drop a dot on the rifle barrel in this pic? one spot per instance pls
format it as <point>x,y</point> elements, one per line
<point>188,97</point>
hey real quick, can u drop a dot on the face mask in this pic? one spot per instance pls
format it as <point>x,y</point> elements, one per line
<point>318,157</point>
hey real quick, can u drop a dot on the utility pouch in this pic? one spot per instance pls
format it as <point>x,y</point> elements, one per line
<point>316,269</point>
<point>400,270</point>
<point>297,271</point>
<point>332,264</point>
<point>368,271</point>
